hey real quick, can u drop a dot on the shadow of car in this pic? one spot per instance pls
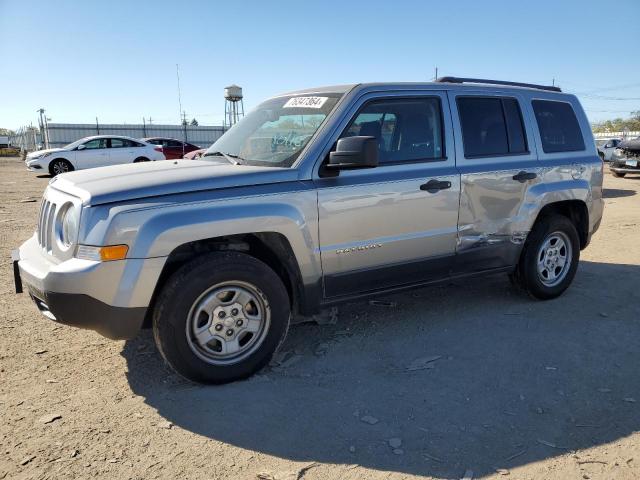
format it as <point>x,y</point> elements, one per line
<point>493,381</point>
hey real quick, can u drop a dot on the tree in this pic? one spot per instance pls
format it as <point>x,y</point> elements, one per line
<point>6,131</point>
<point>619,124</point>
<point>194,123</point>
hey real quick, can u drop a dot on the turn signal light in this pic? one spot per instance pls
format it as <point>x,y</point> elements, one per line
<point>102,254</point>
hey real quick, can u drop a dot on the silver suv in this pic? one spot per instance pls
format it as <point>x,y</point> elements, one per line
<point>318,197</point>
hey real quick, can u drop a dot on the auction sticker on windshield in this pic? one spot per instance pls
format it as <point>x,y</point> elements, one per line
<point>305,102</point>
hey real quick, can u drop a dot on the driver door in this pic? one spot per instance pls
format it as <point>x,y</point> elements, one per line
<point>389,226</point>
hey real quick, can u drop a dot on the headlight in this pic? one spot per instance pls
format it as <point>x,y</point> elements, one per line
<point>68,225</point>
<point>38,156</point>
<point>618,152</point>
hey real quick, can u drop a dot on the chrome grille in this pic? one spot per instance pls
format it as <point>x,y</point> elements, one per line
<point>45,225</point>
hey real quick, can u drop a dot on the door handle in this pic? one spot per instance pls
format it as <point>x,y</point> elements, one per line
<point>432,186</point>
<point>524,176</point>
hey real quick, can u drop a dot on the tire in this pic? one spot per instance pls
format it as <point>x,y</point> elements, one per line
<point>617,174</point>
<point>551,233</point>
<point>221,283</point>
<point>58,166</point>
<point>601,156</point>
<point>141,159</point>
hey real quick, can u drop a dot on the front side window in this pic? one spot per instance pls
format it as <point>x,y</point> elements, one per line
<point>275,132</point>
<point>406,129</point>
<point>96,143</point>
<point>491,126</point>
<point>558,125</point>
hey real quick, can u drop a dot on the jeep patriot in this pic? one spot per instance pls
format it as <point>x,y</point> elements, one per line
<point>317,197</point>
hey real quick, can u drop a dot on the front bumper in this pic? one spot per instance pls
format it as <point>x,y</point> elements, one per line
<point>111,298</point>
<point>35,165</point>
<point>624,169</point>
<point>83,311</point>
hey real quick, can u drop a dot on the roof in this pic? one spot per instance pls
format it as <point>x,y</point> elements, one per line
<point>108,136</point>
<point>444,85</point>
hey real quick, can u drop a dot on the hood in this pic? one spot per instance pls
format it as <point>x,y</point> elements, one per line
<point>151,179</point>
<point>37,153</point>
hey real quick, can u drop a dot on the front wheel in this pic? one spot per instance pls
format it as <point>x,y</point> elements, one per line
<point>59,166</point>
<point>549,259</point>
<point>141,159</point>
<point>220,317</point>
<point>617,174</point>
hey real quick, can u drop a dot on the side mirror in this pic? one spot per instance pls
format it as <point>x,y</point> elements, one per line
<point>81,147</point>
<point>354,152</point>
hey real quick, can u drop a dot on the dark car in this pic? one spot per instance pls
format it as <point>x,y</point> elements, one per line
<point>626,158</point>
<point>172,148</point>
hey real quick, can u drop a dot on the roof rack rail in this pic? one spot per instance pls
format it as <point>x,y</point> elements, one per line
<point>497,82</point>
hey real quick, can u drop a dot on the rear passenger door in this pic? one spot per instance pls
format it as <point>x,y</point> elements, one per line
<point>498,167</point>
<point>394,224</point>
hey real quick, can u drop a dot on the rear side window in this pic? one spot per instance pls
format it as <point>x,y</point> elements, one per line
<point>123,143</point>
<point>491,126</point>
<point>558,125</point>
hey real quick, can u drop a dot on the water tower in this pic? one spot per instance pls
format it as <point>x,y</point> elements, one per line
<point>233,106</point>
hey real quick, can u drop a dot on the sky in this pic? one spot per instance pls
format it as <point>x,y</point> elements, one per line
<point>116,60</point>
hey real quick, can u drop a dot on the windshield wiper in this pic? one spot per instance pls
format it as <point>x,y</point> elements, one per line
<point>233,159</point>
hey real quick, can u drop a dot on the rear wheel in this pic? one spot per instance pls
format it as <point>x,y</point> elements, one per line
<point>549,259</point>
<point>618,174</point>
<point>60,165</point>
<point>221,317</point>
<point>141,159</point>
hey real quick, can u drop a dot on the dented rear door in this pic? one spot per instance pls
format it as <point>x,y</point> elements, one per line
<point>498,165</point>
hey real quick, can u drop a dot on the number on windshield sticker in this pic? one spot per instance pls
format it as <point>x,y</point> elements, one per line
<point>305,102</point>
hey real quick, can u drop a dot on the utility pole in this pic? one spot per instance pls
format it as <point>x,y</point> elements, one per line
<point>436,75</point>
<point>144,128</point>
<point>184,128</point>
<point>42,123</point>
<point>97,127</point>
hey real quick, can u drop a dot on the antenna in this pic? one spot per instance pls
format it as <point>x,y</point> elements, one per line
<point>183,115</point>
<point>179,97</point>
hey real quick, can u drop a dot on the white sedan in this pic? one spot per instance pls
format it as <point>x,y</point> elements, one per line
<point>90,152</point>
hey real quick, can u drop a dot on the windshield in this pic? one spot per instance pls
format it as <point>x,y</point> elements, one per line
<point>275,132</point>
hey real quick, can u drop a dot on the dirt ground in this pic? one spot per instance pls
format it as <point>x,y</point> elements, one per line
<point>469,379</point>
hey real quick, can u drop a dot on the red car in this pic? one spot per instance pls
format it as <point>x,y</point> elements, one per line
<point>172,148</point>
